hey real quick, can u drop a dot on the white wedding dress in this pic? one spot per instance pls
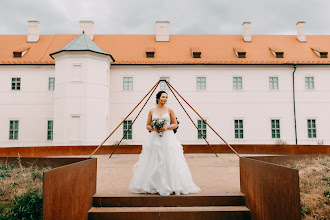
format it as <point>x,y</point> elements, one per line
<point>162,167</point>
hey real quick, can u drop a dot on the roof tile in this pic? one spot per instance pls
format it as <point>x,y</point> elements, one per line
<point>217,49</point>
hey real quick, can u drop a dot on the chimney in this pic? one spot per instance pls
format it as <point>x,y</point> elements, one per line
<point>162,33</point>
<point>247,32</point>
<point>301,35</point>
<point>33,31</point>
<point>88,28</point>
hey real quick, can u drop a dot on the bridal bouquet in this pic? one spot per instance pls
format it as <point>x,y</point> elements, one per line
<point>158,124</point>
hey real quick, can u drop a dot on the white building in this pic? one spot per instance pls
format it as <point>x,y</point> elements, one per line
<point>242,85</point>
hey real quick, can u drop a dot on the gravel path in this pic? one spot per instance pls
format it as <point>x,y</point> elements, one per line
<point>211,174</point>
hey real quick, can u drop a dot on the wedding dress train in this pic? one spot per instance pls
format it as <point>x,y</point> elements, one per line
<point>161,167</point>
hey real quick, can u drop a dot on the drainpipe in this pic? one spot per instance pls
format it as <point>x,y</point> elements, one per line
<point>294,102</point>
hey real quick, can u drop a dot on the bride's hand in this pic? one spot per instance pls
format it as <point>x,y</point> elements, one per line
<point>163,129</point>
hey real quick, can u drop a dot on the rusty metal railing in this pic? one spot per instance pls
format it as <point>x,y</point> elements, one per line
<point>152,90</point>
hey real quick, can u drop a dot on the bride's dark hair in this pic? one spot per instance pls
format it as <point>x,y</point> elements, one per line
<point>159,94</point>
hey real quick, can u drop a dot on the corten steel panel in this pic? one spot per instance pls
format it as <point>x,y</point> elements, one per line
<point>40,161</point>
<point>66,150</point>
<point>288,159</point>
<point>68,190</point>
<point>136,149</point>
<point>271,191</point>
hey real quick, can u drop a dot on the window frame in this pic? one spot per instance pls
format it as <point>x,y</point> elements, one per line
<point>237,88</point>
<point>129,84</point>
<point>163,85</point>
<point>197,54</point>
<point>150,54</point>
<point>14,130</point>
<point>199,83</point>
<point>51,82</point>
<point>50,130</point>
<point>241,54</point>
<point>272,83</point>
<point>311,131</point>
<point>308,83</point>
<point>277,129</point>
<point>129,135</point>
<point>202,126</point>
<point>16,83</point>
<point>240,131</point>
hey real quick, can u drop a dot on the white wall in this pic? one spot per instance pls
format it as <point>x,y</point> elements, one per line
<point>32,105</point>
<point>94,100</point>
<point>81,98</point>
<point>220,104</point>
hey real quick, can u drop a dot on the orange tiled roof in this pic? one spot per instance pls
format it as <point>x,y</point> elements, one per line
<point>217,49</point>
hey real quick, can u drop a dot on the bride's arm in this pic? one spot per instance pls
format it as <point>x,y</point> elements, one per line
<point>173,124</point>
<point>149,122</point>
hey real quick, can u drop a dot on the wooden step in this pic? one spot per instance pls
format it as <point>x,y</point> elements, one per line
<point>173,213</point>
<point>149,200</point>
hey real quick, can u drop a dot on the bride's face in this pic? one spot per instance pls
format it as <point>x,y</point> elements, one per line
<point>163,99</point>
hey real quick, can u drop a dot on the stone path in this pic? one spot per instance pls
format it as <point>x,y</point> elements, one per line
<point>211,174</point>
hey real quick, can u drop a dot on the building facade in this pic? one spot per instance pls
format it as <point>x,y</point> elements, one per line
<point>76,89</point>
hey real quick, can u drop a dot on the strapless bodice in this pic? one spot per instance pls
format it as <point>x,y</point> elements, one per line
<point>165,117</point>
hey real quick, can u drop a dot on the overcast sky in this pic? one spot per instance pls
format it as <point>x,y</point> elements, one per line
<point>185,16</point>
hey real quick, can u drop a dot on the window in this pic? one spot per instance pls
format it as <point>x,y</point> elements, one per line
<point>201,83</point>
<point>196,52</point>
<point>150,54</point>
<point>239,129</point>
<point>17,54</point>
<point>273,83</point>
<point>20,52</point>
<point>309,82</point>
<point>127,83</point>
<point>323,54</point>
<point>241,54</point>
<point>275,128</point>
<point>311,128</point>
<point>237,83</point>
<point>202,127</point>
<point>126,125</point>
<point>13,130</point>
<point>320,52</point>
<point>15,83</point>
<point>51,83</point>
<point>163,85</point>
<point>50,130</point>
<point>277,53</point>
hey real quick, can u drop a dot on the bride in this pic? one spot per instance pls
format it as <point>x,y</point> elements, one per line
<point>162,167</point>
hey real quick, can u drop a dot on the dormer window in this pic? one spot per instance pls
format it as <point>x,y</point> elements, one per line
<point>320,52</point>
<point>20,52</point>
<point>150,52</point>
<point>324,54</point>
<point>196,53</point>
<point>277,53</point>
<point>240,53</point>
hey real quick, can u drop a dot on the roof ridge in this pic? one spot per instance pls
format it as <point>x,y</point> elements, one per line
<point>84,35</point>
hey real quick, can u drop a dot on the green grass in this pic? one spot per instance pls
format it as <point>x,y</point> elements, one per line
<point>20,192</point>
